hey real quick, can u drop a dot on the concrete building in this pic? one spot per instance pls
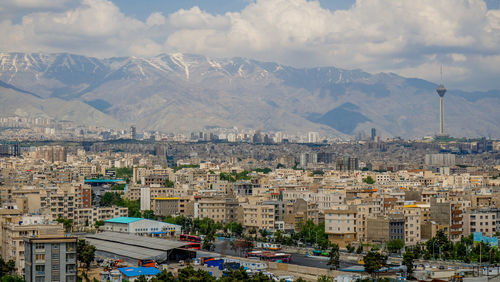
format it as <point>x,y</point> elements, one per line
<point>385,228</point>
<point>14,234</point>
<point>173,206</point>
<point>50,259</point>
<point>87,217</point>
<point>258,216</point>
<point>140,226</point>
<point>51,154</point>
<point>412,217</point>
<point>313,137</point>
<point>220,209</point>
<point>340,226</point>
<point>440,159</point>
<point>480,220</point>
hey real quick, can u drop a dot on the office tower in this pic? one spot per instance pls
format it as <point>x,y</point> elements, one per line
<point>313,137</point>
<point>133,133</point>
<point>50,259</point>
<point>374,134</point>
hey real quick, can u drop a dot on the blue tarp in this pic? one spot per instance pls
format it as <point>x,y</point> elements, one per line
<point>138,271</point>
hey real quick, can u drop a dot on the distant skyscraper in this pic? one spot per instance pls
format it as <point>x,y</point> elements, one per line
<point>133,132</point>
<point>313,137</point>
<point>374,134</point>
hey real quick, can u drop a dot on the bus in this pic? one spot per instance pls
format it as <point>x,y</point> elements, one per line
<point>190,238</point>
<point>194,246</point>
<point>270,256</point>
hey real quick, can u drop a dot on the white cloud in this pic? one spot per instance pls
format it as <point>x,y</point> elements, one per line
<point>408,37</point>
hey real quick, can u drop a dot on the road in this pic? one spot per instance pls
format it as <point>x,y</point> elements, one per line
<point>223,247</point>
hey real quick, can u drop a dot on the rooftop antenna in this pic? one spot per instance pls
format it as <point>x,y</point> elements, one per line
<point>441,73</point>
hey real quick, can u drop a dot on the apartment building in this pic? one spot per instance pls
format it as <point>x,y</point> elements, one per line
<point>384,228</point>
<point>413,219</point>
<point>87,217</point>
<point>50,259</point>
<point>480,220</point>
<point>340,226</point>
<point>173,206</point>
<point>14,234</point>
<point>61,203</point>
<point>220,209</point>
<point>257,215</point>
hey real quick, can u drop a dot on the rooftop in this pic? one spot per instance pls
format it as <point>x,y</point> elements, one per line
<point>123,219</point>
<point>138,271</point>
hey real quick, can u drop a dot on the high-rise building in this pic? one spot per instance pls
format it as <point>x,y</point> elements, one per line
<point>133,132</point>
<point>313,137</point>
<point>51,153</point>
<point>50,259</point>
<point>374,134</point>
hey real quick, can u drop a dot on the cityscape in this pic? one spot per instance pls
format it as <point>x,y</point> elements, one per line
<point>250,141</point>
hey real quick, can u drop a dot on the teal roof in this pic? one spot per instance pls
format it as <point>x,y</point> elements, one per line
<point>125,220</point>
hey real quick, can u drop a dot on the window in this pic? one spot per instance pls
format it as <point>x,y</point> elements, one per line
<point>39,246</point>
<point>70,246</point>
<point>40,257</point>
<point>40,268</point>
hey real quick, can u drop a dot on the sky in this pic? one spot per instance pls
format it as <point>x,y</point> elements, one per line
<point>406,37</point>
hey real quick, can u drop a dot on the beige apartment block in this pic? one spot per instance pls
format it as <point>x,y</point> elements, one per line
<point>173,206</point>
<point>480,221</point>
<point>87,217</point>
<point>14,234</point>
<point>340,226</point>
<point>220,209</point>
<point>256,216</point>
<point>413,220</point>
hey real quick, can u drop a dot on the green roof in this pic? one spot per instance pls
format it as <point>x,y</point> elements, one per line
<point>125,220</point>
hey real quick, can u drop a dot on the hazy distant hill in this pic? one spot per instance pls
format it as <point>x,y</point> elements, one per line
<point>180,92</point>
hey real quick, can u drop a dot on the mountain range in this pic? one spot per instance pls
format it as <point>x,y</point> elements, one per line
<point>184,92</point>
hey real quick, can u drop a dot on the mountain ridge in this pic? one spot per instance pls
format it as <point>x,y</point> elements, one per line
<point>187,92</point>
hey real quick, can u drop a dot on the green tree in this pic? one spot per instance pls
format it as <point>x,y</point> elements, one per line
<point>164,276</point>
<point>395,245</point>
<point>265,170</point>
<point>189,274</point>
<point>374,261</point>
<point>359,249</point>
<point>124,172</point>
<point>368,180</point>
<point>141,278</point>
<point>235,228</point>
<point>324,278</point>
<point>11,278</point>
<point>86,252</point>
<point>169,183</point>
<point>349,248</point>
<point>149,214</point>
<point>334,257</point>
<point>99,223</point>
<point>67,223</point>
<point>263,233</point>
<point>208,242</point>
<point>236,275</point>
<point>408,259</point>
<point>6,267</point>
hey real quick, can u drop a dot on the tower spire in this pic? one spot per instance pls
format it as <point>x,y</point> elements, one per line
<point>441,91</point>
